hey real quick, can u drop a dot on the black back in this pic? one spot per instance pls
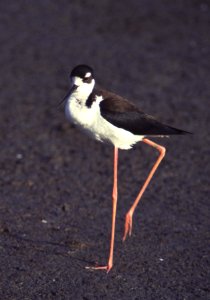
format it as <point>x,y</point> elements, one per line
<point>123,114</point>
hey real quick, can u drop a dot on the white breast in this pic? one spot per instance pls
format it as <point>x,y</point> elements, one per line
<point>91,121</point>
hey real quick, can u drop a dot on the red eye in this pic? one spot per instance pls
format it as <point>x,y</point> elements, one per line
<point>88,79</point>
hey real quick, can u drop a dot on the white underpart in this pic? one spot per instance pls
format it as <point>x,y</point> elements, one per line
<point>91,121</point>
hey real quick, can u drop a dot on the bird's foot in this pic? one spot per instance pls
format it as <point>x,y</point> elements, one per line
<point>128,225</point>
<point>107,268</point>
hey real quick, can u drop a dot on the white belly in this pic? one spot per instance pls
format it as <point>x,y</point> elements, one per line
<point>91,121</point>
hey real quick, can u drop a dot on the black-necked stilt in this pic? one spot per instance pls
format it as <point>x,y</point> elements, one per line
<point>110,118</point>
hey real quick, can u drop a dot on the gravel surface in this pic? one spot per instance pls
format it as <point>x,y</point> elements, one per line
<point>56,183</point>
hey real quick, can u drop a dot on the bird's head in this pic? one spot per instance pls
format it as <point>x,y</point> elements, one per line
<point>82,82</point>
<point>82,77</point>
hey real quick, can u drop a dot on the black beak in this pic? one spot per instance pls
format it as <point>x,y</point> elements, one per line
<point>74,87</point>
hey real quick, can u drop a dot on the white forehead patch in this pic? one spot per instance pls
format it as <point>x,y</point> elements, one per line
<point>87,75</point>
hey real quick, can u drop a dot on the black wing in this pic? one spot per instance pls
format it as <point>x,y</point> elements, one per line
<point>123,114</point>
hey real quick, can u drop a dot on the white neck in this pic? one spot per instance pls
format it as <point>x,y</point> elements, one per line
<point>84,90</point>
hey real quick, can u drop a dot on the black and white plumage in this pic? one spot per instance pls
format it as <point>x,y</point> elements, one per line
<point>112,119</point>
<point>108,117</point>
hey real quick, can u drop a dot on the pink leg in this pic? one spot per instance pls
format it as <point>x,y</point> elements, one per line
<point>129,215</point>
<point>114,209</point>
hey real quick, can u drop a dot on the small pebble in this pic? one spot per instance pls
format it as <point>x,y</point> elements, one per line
<point>19,156</point>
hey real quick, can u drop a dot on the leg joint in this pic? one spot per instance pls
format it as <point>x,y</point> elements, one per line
<point>162,150</point>
<point>114,196</point>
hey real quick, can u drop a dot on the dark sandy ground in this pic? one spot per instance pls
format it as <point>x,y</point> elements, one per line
<point>55,204</point>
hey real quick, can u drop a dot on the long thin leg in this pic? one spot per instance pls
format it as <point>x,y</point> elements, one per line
<point>114,209</point>
<point>129,215</point>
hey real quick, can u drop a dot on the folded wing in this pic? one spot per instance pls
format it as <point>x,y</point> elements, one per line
<point>123,114</point>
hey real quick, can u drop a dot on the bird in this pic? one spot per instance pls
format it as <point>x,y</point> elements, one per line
<point>112,119</point>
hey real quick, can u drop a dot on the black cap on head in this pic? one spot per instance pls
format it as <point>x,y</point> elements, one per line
<point>81,71</point>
